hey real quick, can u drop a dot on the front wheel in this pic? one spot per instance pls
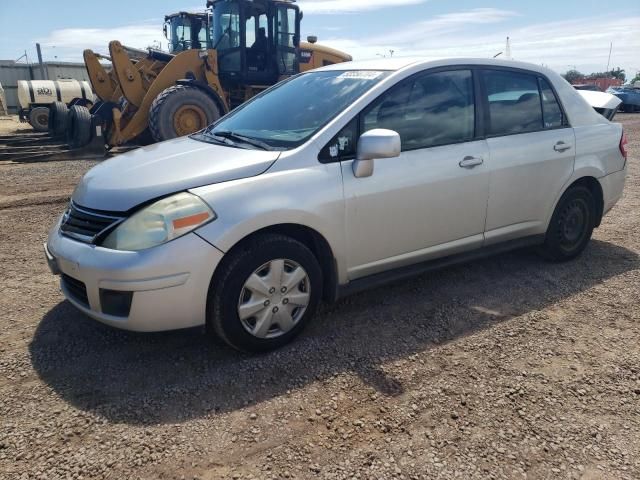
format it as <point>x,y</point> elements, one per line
<point>181,110</point>
<point>265,293</point>
<point>571,225</point>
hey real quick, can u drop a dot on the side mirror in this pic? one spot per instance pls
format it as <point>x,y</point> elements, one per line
<point>378,143</point>
<point>164,30</point>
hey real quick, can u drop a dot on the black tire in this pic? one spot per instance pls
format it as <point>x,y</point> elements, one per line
<point>571,225</point>
<point>204,111</point>
<point>79,127</point>
<point>223,319</point>
<point>58,116</point>
<point>145,138</point>
<point>39,119</point>
<point>94,108</point>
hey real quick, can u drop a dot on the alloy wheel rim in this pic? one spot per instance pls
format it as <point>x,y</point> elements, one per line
<point>274,299</point>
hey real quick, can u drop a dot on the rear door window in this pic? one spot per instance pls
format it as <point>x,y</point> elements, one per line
<point>514,102</point>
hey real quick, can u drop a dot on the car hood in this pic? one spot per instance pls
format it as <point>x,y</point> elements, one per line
<point>128,180</point>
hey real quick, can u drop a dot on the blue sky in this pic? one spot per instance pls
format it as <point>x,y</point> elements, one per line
<point>560,34</point>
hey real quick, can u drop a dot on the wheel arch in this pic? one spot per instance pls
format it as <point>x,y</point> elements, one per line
<point>309,237</point>
<point>593,184</point>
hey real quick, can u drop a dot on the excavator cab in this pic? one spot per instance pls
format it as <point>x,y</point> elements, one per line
<point>187,31</point>
<point>256,40</point>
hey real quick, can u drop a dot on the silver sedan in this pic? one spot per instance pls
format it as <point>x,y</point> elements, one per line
<point>333,181</point>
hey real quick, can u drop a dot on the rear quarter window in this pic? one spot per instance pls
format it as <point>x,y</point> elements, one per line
<point>551,111</point>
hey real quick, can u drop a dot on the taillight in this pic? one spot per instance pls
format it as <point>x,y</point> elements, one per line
<point>623,145</point>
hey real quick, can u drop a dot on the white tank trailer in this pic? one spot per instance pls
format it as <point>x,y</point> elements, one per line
<point>35,97</point>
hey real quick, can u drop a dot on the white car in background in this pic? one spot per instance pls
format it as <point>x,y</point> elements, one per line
<point>336,180</point>
<point>604,103</point>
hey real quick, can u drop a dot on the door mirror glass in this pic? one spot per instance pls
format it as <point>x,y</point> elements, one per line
<point>377,143</point>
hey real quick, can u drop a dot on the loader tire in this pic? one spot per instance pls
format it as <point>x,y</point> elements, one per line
<point>58,115</point>
<point>181,110</point>
<point>79,127</point>
<point>39,119</point>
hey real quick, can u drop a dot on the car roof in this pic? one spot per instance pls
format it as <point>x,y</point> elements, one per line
<point>401,63</point>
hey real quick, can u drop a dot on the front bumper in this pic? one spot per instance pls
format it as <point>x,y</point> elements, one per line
<point>169,282</point>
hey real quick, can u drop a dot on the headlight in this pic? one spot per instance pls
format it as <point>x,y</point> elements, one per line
<point>160,222</point>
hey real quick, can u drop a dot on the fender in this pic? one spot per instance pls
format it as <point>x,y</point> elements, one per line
<point>582,172</point>
<point>321,208</point>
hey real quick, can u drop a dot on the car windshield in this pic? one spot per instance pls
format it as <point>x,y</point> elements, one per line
<point>289,114</point>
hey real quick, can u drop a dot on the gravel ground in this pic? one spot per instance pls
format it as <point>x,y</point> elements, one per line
<point>508,367</point>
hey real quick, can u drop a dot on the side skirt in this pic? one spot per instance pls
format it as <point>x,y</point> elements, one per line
<point>397,274</point>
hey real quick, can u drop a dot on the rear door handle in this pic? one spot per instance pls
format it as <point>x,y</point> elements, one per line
<point>561,147</point>
<point>471,162</point>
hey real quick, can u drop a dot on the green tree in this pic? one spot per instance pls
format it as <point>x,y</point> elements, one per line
<point>573,76</point>
<point>618,73</point>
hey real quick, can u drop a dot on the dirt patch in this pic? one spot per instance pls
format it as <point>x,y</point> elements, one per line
<point>508,367</point>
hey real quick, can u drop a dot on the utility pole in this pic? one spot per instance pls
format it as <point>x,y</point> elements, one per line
<point>609,61</point>
<point>42,74</point>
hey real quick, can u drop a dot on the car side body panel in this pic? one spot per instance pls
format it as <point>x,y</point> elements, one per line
<point>526,173</point>
<point>597,156</point>
<point>311,197</point>
<point>418,194</point>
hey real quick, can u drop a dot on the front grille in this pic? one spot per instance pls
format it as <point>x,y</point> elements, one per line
<point>76,289</point>
<point>86,224</point>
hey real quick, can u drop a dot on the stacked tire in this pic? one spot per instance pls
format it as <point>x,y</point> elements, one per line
<point>78,126</point>
<point>58,117</point>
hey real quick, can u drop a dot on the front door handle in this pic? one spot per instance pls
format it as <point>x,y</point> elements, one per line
<point>471,162</point>
<point>561,147</point>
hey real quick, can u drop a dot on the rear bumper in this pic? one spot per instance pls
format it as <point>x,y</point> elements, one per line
<point>612,188</point>
<point>168,284</point>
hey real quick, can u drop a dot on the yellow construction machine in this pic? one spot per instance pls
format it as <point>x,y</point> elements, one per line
<point>217,61</point>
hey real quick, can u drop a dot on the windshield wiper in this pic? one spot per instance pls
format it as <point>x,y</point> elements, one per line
<point>241,138</point>
<point>207,136</point>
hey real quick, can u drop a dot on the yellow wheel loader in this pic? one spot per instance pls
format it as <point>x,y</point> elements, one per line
<point>218,60</point>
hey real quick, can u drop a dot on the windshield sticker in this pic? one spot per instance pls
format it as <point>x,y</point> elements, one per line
<point>361,74</point>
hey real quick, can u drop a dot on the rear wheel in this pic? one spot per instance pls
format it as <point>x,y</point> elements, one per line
<point>39,119</point>
<point>265,293</point>
<point>79,127</point>
<point>181,110</point>
<point>58,113</point>
<point>571,225</point>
